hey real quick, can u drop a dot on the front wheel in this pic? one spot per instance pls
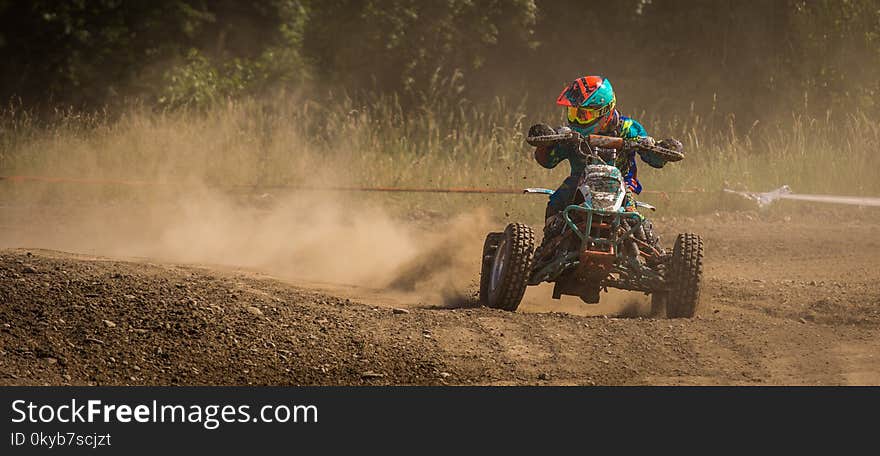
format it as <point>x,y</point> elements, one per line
<point>507,262</point>
<point>490,248</point>
<point>685,277</point>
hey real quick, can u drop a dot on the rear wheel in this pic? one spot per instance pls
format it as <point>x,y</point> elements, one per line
<point>686,277</point>
<point>507,262</point>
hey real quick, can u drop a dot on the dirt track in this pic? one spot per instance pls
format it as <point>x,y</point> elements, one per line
<point>790,302</point>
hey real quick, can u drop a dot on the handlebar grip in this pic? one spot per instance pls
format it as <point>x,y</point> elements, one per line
<point>547,140</point>
<point>667,154</point>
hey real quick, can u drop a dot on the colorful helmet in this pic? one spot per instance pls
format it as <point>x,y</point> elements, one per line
<point>590,101</point>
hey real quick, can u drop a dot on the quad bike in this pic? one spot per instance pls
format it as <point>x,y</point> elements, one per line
<point>596,243</point>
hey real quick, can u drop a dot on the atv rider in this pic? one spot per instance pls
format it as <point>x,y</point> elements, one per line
<point>590,106</point>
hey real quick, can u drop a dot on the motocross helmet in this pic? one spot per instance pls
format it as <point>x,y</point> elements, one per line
<point>589,103</point>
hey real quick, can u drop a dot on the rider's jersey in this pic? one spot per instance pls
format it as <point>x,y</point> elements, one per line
<point>627,128</point>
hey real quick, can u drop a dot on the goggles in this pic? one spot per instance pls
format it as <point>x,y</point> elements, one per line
<point>587,116</point>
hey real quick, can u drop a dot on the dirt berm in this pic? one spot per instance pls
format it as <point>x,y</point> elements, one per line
<point>789,304</point>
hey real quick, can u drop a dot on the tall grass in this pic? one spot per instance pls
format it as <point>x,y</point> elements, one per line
<point>380,142</point>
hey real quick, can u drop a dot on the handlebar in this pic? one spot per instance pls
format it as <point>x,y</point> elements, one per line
<point>606,142</point>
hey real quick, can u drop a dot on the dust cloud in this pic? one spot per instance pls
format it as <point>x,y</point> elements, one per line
<point>321,240</point>
<point>614,303</point>
<point>304,237</point>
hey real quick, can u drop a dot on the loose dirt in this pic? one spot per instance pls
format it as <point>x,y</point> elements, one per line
<point>789,301</point>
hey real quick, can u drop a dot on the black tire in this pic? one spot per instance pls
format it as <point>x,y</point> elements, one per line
<point>505,277</point>
<point>686,274</point>
<point>489,248</point>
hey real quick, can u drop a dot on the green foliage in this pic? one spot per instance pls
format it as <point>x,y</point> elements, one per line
<point>751,57</point>
<point>400,45</point>
<point>90,53</point>
<point>839,50</point>
<point>200,82</point>
<point>196,82</point>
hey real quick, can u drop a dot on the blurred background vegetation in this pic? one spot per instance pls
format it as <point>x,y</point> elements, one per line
<point>748,57</point>
<point>385,92</point>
